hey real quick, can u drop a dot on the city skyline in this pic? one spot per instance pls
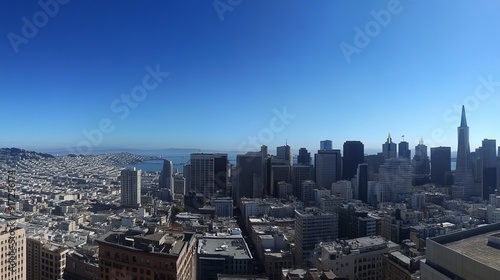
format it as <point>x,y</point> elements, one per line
<point>214,81</point>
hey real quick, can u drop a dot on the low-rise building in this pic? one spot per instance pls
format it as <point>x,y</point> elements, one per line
<point>359,258</point>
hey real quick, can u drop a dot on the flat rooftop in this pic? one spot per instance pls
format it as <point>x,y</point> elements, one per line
<point>476,247</point>
<point>213,246</point>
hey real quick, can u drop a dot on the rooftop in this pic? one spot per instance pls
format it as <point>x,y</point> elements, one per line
<point>361,245</point>
<point>226,246</point>
<point>477,248</point>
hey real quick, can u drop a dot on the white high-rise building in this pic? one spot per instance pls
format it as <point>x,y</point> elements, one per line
<point>130,187</point>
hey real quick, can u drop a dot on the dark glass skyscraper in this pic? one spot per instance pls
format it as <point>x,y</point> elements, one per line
<point>362,178</point>
<point>440,165</point>
<point>325,145</point>
<point>404,150</point>
<point>328,166</point>
<point>354,154</point>
<point>284,153</point>
<point>464,181</point>
<point>489,158</point>
<point>421,164</point>
<point>389,149</point>
<point>304,157</point>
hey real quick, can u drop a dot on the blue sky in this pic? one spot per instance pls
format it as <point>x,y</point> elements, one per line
<point>230,71</point>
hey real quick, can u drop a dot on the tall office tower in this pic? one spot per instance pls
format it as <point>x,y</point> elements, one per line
<point>279,173</point>
<point>166,179</point>
<point>498,169</point>
<point>440,165</point>
<point>220,174</point>
<point>300,173</point>
<point>13,257</point>
<point>354,154</point>
<point>362,182</point>
<point>328,165</point>
<point>311,227</point>
<point>264,174</point>
<point>421,163</point>
<point>476,158</point>
<point>304,157</point>
<point>395,179</point>
<point>463,185</point>
<point>404,150</point>
<point>45,260</point>
<point>136,254</point>
<point>374,162</point>
<point>186,173</point>
<point>284,154</point>
<point>389,149</point>
<point>208,173</point>
<point>326,145</point>
<point>130,187</point>
<point>489,148</point>
<point>247,175</point>
<point>201,173</point>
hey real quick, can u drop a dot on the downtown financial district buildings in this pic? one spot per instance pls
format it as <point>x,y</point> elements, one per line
<point>334,215</point>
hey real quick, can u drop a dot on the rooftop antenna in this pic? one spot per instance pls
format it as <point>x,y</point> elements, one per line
<point>403,137</point>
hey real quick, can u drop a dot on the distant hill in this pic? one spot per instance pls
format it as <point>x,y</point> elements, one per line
<point>10,156</point>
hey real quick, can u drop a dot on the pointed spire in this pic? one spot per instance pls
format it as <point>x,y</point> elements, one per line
<point>389,138</point>
<point>464,120</point>
<point>421,141</point>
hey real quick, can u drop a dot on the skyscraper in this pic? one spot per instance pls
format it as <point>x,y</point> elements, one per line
<point>404,150</point>
<point>328,168</point>
<point>389,149</point>
<point>489,157</point>
<point>464,181</point>
<point>421,163</point>
<point>166,179</point>
<point>208,173</point>
<point>354,154</point>
<point>395,179</point>
<point>440,165</point>
<point>362,182</point>
<point>220,174</point>
<point>300,173</point>
<point>130,187</point>
<point>247,176</point>
<point>202,173</point>
<point>304,157</point>
<point>284,154</point>
<point>325,145</point>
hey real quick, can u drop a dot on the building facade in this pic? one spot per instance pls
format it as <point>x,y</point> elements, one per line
<point>130,180</point>
<point>12,267</point>
<point>45,260</point>
<point>311,227</point>
<point>135,254</point>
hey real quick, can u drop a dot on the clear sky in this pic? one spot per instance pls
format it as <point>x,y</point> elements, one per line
<point>304,71</point>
